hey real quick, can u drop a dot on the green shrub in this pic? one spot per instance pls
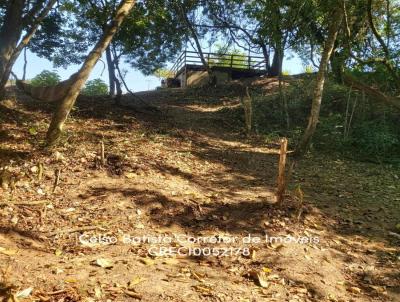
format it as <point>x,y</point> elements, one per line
<point>46,78</point>
<point>95,87</point>
<point>376,138</point>
<point>373,134</point>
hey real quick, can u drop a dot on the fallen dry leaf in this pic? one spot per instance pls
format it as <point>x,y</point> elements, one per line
<point>355,290</point>
<point>24,293</point>
<point>260,278</point>
<point>8,252</point>
<point>104,263</point>
<point>134,281</point>
<point>203,289</point>
<point>147,261</point>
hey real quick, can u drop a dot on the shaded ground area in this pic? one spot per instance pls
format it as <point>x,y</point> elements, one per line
<point>177,165</point>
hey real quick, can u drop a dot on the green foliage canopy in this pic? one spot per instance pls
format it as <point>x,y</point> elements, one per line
<point>46,78</point>
<point>95,87</point>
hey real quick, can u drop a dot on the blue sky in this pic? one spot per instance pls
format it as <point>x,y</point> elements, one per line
<point>135,79</point>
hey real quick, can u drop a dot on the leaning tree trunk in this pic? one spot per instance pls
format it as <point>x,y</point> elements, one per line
<point>319,85</point>
<point>198,46</point>
<point>206,65</point>
<point>66,104</point>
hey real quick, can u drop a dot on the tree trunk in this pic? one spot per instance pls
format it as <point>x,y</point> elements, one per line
<point>276,67</point>
<point>10,33</point>
<point>25,65</point>
<point>212,79</point>
<point>111,72</point>
<point>198,45</point>
<point>319,85</point>
<point>66,104</point>
<point>119,92</point>
<point>337,64</point>
<point>266,56</point>
<point>118,80</point>
<point>10,56</point>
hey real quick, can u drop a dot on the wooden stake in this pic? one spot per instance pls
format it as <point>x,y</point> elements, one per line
<point>248,111</point>
<point>103,159</point>
<point>280,193</point>
<point>40,172</point>
<point>57,173</point>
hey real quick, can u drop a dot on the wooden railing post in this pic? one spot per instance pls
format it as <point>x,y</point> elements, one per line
<point>224,60</point>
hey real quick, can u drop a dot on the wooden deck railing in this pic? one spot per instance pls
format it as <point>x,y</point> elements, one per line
<point>233,61</point>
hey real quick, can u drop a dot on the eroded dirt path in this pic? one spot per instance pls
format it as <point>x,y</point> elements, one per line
<point>179,165</point>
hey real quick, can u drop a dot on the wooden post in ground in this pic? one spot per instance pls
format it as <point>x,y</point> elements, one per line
<point>102,157</point>
<point>248,111</point>
<point>280,193</point>
<point>57,173</point>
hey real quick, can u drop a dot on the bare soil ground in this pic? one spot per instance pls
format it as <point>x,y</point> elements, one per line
<point>178,164</point>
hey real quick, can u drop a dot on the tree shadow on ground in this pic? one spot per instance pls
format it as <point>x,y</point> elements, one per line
<point>209,133</point>
<point>203,126</point>
<point>178,118</point>
<point>246,217</point>
<point>10,154</point>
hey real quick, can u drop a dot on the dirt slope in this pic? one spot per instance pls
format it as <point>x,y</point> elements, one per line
<point>178,165</point>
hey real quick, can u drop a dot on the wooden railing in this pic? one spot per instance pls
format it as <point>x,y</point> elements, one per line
<point>233,61</point>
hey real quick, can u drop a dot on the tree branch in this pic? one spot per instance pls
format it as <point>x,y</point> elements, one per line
<point>385,48</point>
<point>374,93</point>
<point>375,31</point>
